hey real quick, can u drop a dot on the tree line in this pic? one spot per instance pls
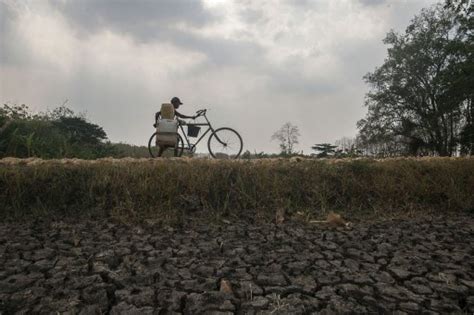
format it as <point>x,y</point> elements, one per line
<point>59,133</point>
<point>56,134</point>
<point>420,100</point>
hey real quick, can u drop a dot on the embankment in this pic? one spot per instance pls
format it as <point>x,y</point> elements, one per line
<point>172,188</point>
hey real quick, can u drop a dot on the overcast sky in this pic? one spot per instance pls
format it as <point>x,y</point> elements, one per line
<point>254,64</point>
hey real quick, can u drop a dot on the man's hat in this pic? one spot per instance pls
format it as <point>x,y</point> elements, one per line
<point>176,101</point>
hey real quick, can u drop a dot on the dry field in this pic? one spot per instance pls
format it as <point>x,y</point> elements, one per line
<point>173,236</point>
<point>96,267</point>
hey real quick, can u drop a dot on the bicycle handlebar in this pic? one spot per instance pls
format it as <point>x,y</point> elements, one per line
<point>201,112</point>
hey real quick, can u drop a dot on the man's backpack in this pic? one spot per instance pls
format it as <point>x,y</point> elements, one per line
<point>167,127</point>
<point>167,111</point>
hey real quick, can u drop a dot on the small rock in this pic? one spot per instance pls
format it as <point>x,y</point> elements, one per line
<point>410,307</point>
<point>383,277</point>
<point>45,253</point>
<point>297,267</point>
<point>248,289</point>
<point>307,283</point>
<point>96,295</point>
<point>15,283</point>
<point>124,308</point>
<point>469,284</point>
<point>83,282</point>
<point>225,287</point>
<point>351,264</point>
<point>399,273</point>
<point>259,302</point>
<point>443,306</point>
<point>170,299</point>
<point>271,280</point>
<point>197,303</point>
<point>91,310</point>
<point>280,216</point>
<point>420,289</point>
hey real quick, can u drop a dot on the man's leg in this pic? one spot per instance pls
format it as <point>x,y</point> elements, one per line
<point>162,149</point>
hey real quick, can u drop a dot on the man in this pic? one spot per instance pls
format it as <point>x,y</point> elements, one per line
<point>176,102</point>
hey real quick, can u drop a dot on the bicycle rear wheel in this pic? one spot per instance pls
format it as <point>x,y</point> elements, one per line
<point>225,143</point>
<point>155,149</point>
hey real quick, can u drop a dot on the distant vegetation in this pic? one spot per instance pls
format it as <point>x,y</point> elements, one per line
<point>122,150</point>
<point>287,137</point>
<point>59,133</point>
<point>421,97</point>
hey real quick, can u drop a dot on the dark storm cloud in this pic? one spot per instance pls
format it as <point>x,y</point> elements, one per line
<point>219,51</point>
<point>144,19</point>
<point>153,21</point>
<point>149,21</point>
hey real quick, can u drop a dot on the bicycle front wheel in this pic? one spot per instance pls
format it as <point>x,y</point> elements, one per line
<point>155,149</point>
<point>225,143</point>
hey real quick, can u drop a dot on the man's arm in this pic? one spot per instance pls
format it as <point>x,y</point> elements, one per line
<point>183,116</point>
<point>157,115</point>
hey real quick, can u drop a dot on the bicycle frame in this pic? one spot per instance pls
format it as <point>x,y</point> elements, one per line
<point>192,146</point>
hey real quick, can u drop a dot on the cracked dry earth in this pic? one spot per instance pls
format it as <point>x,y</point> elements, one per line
<point>101,267</point>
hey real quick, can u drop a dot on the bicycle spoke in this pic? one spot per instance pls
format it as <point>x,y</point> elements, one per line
<point>168,151</point>
<point>225,143</point>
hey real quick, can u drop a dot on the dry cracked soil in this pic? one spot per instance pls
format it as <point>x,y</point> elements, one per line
<point>90,267</point>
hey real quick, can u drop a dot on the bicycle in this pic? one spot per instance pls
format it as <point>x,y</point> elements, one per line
<point>223,142</point>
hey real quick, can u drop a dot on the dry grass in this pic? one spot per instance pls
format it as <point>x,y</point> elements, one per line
<point>170,189</point>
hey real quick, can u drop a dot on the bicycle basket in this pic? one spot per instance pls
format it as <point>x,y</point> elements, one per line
<point>193,131</point>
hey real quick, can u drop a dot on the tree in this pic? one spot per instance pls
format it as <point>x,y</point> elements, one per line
<point>287,135</point>
<point>464,8</point>
<point>347,147</point>
<point>417,105</point>
<point>324,149</point>
<point>80,131</point>
<point>464,81</point>
<point>57,134</point>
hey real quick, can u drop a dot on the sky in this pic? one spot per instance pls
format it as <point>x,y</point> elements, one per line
<point>254,65</point>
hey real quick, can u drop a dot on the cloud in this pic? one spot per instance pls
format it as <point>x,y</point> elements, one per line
<point>8,52</point>
<point>373,2</point>
<point>143,20</point>
<point>256,64</point>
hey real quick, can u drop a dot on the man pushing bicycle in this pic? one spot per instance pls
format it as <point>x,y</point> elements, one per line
<point>171,114</point>
<point>223,142</point>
